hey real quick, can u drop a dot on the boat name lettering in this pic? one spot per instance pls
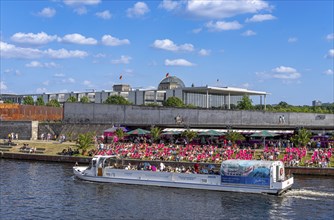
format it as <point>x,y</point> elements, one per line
<point>186,178</point>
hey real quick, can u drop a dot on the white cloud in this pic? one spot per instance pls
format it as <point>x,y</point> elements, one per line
<point>87,82</point>
<point>223,26</point>
<point>178,62</point>
<point>82,2</point>
<point>330,54</point>
<point>46,83</point>
<point>260,18</point>
<point>41,90</point>
<point>170,5</point>
<point>104,14</point>
<point>59,75</point>
<point>3,86</point>
<point>292,39</point>
<point>328,72</point>
<point>197,30</point>
<point>204,52</point>
<point>78,39</point>
<point>12,71</point>
<point>68,80</point>
<point>100,55</point>
<point>287,73</point>
<point>63,53</point>
<point>169,45</point>
<point>139,9</point>
<point>223,9</point>
<point>36,64</point>
<point>109,40</point>
<point>248,33</point>
<point>47,12</point>
<point>80,10</point>
<point>31,38</point>
<point>11,51</point>
<point>245,85</point>
<point>330,36</point>
<point>50,65</point>
<point>122,60</point>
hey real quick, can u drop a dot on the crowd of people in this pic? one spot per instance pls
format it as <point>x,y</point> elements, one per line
<point>210,153</point>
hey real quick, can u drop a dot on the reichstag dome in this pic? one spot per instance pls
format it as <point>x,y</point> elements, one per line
<point>171,82</point>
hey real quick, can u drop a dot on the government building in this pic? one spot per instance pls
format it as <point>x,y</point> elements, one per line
<point>170,86</point>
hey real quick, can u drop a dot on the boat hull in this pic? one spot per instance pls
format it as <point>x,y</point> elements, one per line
<point>175,180</point>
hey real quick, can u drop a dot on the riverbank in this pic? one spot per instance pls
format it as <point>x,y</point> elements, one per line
<point>317,171</point>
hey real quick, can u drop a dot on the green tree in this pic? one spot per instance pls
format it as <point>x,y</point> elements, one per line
<point>28,100</point>
<point>155,133</point>
<point>245,103</point>
<point>84,141</point>
<point>8,101</point>
<point>301,138</point>
<point>173,102</point>
<point>120,134</point>
<point>234,136</point>
<point>84,99</point>
<point>40,101</point>
<point>71,99</point>
<point>117,100</point>
<point>53,103</point>
<point>283,104</point>
<point>189,135</point>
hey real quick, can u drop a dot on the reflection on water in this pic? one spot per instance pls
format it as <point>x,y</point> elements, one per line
<point>35,190</point>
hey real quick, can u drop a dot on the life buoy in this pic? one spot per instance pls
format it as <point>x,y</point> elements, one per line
<point>281,171</point>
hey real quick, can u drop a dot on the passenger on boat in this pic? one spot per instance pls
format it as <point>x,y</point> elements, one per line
<point>162,166</point>
<point>196,167</point>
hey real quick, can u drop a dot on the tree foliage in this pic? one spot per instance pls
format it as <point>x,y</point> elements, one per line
<point>8,101</point>
<point>40,101</point>
<point>155,133</point>
<point>245,103</point>
<point>71,99</point>
<point>301,138</point>
<point>117,100</point>
<point>234,136</point>
<point>173,102</point>
<point>120,134</point>
<point>84,141</point>
<point>189,135</point>
<point>53,103</point>
<point>28,100</point>
<point>84,99</point>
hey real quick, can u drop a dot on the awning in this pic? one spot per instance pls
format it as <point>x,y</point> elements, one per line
<point>243,131</point>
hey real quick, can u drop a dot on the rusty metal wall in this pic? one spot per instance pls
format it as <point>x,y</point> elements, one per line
<point>16,112</point>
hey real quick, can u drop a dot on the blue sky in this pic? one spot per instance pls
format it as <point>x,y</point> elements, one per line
<point>281,47</point>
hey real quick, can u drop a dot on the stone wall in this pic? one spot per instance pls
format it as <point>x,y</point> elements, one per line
<point>162,116</point>
<point>26,130</point>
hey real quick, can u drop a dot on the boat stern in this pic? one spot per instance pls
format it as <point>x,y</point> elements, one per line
<point>283,186</point>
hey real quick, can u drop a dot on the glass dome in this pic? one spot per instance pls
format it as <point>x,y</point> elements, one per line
<point>171,82</point>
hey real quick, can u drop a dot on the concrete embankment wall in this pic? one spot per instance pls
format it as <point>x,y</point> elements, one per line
<point>161,116</point>
<point>85,160</point>
<point>26,130</point>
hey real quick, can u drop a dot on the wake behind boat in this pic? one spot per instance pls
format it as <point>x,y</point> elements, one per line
<point>250,176</point>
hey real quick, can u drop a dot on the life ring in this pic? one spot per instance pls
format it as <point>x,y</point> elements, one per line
<point>281,171</point>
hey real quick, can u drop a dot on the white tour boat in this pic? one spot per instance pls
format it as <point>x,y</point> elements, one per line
<point>250,176</point>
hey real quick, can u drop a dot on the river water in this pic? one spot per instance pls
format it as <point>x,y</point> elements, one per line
<point>38,190</point>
